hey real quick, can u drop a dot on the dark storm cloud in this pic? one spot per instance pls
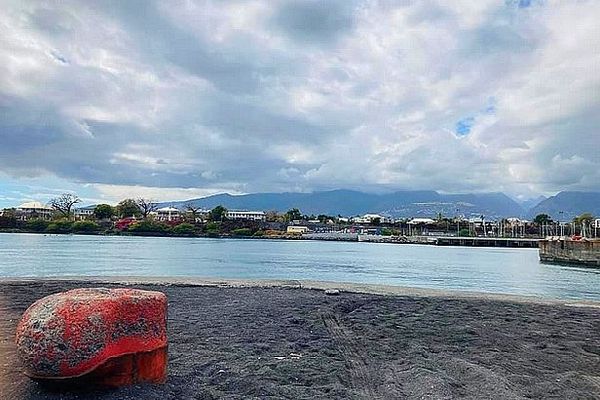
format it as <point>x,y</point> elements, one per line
<point>315,21</point>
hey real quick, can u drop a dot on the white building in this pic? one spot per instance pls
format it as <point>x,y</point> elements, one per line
<point>297,229</point>
<point>247,215</point>
<point>33,209</point>
<point>418,221</point>
<point>370,218</point>
<point>167,214</point>
<point>84,212</point>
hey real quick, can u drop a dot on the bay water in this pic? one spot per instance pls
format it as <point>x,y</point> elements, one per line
<point>494,270</point>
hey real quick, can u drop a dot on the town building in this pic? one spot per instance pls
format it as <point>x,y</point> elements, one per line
<point>421,221</point>
<point>33,209</point>
<point>167,214</point>
<point>246,215</point>
<point>370,218</point>
<point>84,212</point>
<point>294,229</point>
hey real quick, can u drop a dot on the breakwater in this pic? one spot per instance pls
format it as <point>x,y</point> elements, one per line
<point>486,241</point>
<point>563,250</point>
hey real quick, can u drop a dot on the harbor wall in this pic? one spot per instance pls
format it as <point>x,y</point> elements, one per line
<point>583,252</point>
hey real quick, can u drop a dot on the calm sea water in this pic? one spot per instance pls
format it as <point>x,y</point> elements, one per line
<point>515,271</point>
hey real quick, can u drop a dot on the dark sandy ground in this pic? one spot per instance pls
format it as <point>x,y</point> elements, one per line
<point>277,342</point>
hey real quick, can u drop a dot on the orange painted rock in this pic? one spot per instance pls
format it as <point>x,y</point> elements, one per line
<point>111,337</point>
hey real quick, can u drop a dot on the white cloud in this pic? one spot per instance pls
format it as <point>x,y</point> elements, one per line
<point>208,96</point>
<point>115,193</point>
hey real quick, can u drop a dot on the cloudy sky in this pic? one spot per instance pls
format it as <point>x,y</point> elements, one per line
<point>179,99</point>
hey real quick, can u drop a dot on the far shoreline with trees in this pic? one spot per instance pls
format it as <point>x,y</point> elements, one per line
<point>138,217</point>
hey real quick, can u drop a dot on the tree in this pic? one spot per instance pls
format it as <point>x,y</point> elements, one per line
<point>146,206</point>
<point>323,218</point>
<point>148,226</point>
<point>464,233</point>
<point>85,226</point>
<point>103,211</point>
<point>586,218</point>
<point>273,216</point>
<point>128,208</point>
<point>242,232</point>
<point>8,218</point>
<point>193,210</point>
<point>36,225</point>
<point>218,213</point>
<point>293,215</point>
<point>542,219</point>
<point>60,226</point>
<point>64,203</point>
<point>184,229</point>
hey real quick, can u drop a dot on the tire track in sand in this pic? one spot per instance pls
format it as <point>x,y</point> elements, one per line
<point>362,376</point>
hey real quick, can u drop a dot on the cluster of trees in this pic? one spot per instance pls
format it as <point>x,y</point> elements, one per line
<point>585,218</point>
<point>134,216</point>
<point>62,225</point>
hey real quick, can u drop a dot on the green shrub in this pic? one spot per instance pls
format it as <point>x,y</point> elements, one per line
<point>8,222</point>
<point>60,226</point>
<point>464,233</point>
<point>259,233</point>
<point>212,226</point>
<point>184,229</point>
<point>85,226</point>
<point>242,232</point>
<point>36,225</point>
<point>386,232</point>
<point>148,226</point>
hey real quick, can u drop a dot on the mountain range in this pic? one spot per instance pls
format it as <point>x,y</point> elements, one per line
<point>567,205</point>
<point>403,204</point>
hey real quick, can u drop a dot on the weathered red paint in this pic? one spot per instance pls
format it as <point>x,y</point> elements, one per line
<point>71,334</point>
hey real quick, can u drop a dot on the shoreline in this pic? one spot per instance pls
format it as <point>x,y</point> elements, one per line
<point>343,287</point>
<point>410,240</point>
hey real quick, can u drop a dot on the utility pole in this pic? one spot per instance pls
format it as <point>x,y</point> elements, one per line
<point>457,222</point>
<point>483,223</point>
<point>562,226</point>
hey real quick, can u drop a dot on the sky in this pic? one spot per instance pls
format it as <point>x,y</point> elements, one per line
<point>176,99</point>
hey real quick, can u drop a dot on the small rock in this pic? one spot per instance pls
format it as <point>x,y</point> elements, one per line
<point>332,292</point>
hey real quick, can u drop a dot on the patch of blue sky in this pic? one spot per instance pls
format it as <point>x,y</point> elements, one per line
<point>463,127</point>
<point>524,3</point>
<point>14,192</point>
<point>490,108</point>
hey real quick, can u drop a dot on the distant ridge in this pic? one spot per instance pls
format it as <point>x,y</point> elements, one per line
<point>401,204</point>
<point>567,205</point>
<point>530,203</point>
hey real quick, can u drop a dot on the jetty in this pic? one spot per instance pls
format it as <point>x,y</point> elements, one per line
<point>428,240</point>
<point>486,241</point>
<point>570,250</point>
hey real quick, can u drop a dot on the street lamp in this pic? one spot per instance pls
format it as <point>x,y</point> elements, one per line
<point>562,226</point>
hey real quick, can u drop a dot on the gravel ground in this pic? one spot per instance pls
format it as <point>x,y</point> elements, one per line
<point>277,342</point>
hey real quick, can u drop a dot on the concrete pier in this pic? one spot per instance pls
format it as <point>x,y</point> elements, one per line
<point>486,242</point>
<point>565,250</point>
